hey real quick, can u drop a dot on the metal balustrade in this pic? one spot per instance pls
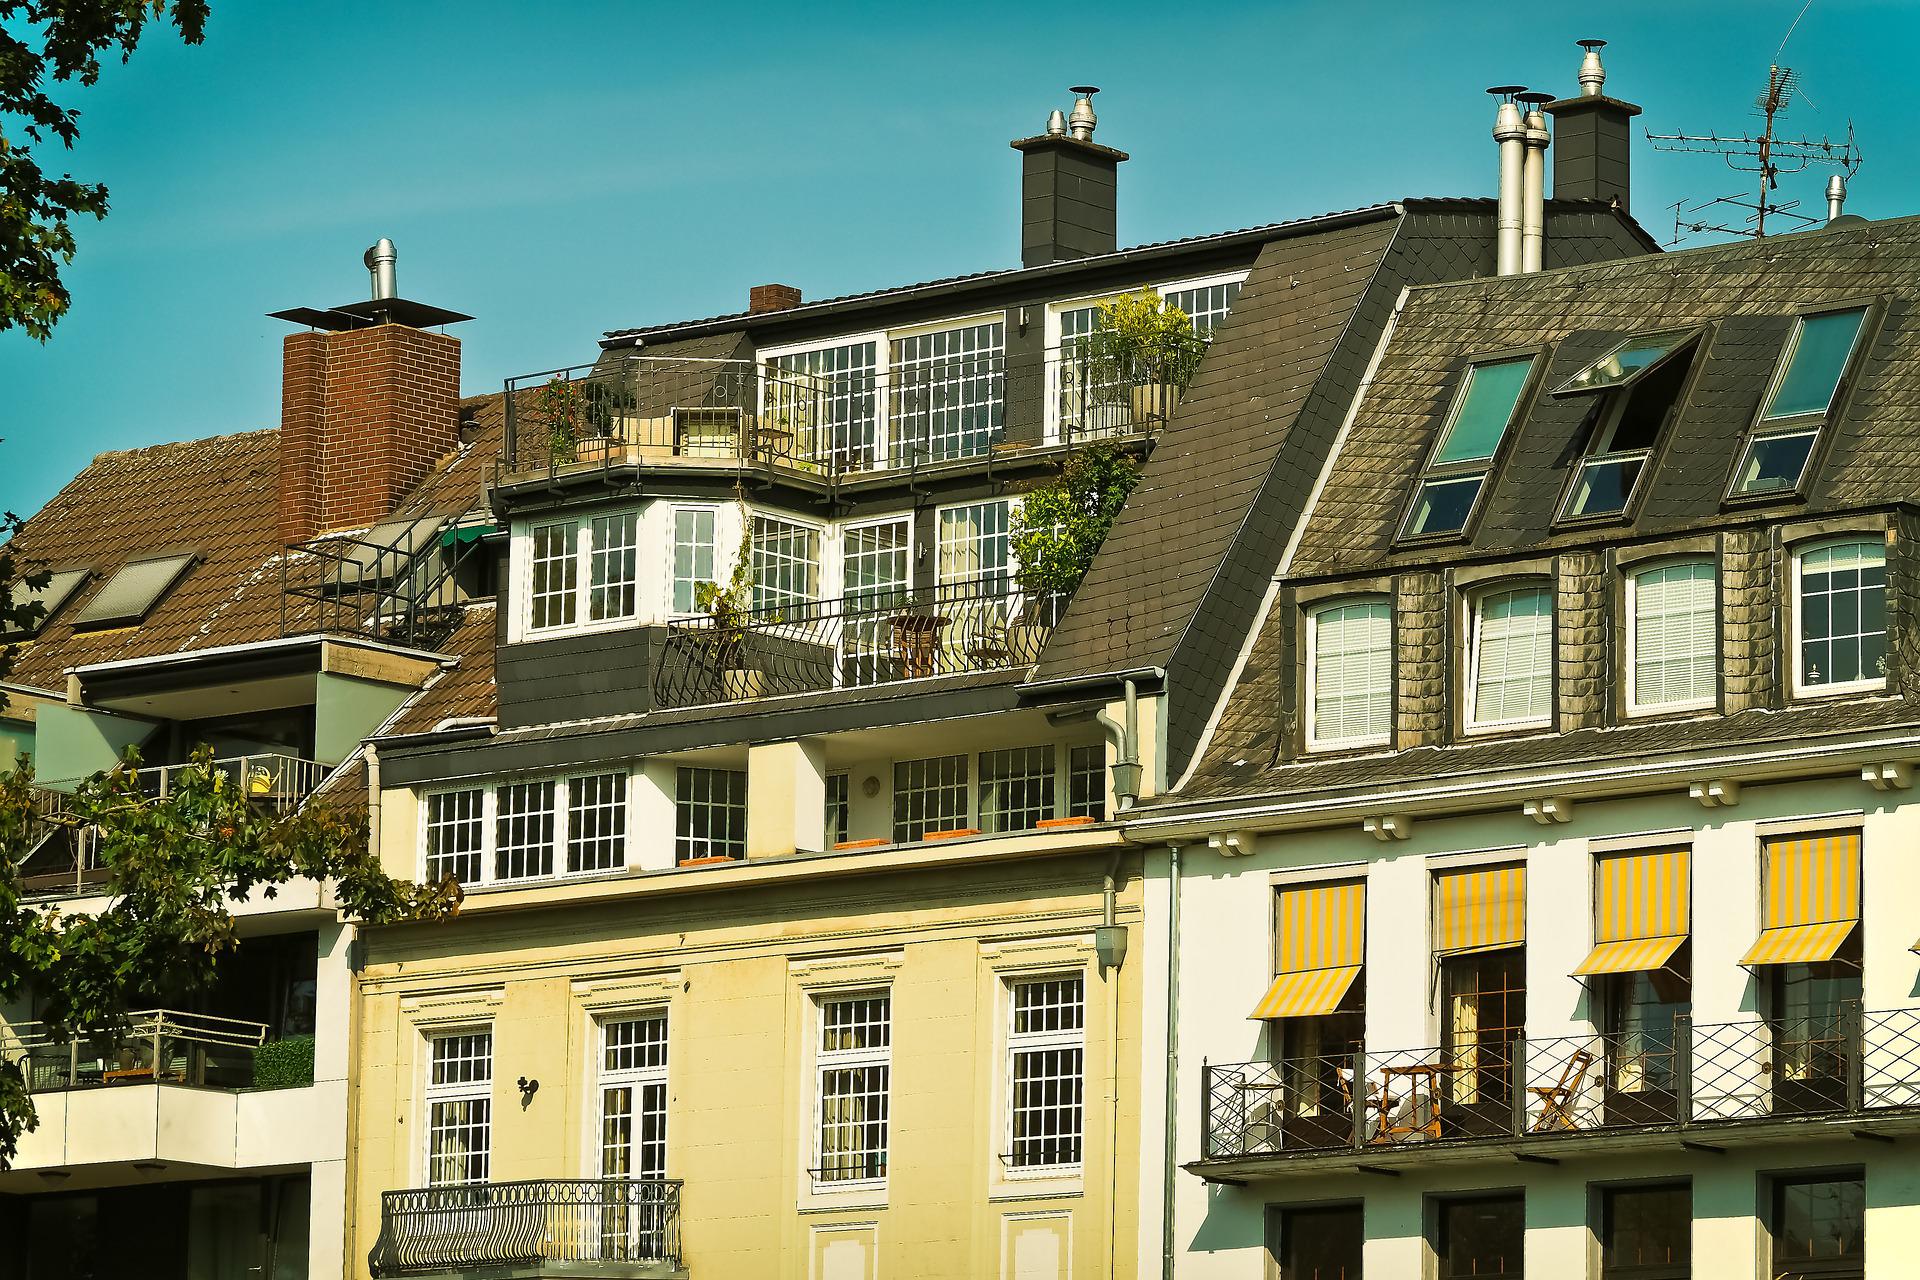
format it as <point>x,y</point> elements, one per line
<point>874,637</point>
<point>1848,1064</point>
<point>153,1046</point>
<point>668,411</point>
<point>457,1228</point>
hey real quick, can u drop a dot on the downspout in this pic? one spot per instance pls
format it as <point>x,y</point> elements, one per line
<point>1109,892</point>
<point>1125,736</point>
<point>1171,1103</point>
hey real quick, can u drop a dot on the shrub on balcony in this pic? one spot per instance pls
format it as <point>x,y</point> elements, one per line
<point>1142,340</point>
<point>286,1063</point>
<point>1060,524</point>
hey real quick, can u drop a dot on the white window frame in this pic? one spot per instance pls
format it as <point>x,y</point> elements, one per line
<point>1470,695</point>
<point>744,810</point>
<point>1634,705</point>
<point>767,356</point>
<point>940,576</point>
<point>562,824</point>
<point>574,593</point>
<point>433,1095</point>
<point>1316,742</point>
<point>670,540</point>
<point>1018,1042</point>
<point>607,1079</point>
<point>925,330</point>
<point>1800,553</point>
<point>822,540</point>
<point>825,1060</point>
<point>522,574</point>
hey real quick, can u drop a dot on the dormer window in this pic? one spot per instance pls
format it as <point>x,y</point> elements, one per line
<point>1802,393</point>
<point>1636,386</point>
<point>1482,411</point>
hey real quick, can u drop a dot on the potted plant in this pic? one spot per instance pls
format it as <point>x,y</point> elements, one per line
<point>1142,353</point>
<point>728,607</point>
<point>1057,527</point>
<point>561,409</point>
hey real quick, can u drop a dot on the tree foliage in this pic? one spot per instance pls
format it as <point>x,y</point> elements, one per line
<point>1060,524</point>
<point>45,43</point>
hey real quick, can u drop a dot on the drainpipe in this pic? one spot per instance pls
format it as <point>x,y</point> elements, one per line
<point>1110,943</point>
<point>1171,1103</point>
<point>1533,183</point>
<point>1511,133</point>
<point>1125,735</point>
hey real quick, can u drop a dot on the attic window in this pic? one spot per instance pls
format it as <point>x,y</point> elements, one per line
<point>1802,393</point>
<point>1639,382</point>
<point>59,589</point>
<point>1482,412</point>
<point>132,591</point>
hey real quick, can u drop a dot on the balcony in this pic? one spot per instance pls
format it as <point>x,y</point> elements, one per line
<point>1711,1082</point>
<point>742,415</point>
<point>878,636</point>
<point>156,1046</point>
<point>619,1226</point>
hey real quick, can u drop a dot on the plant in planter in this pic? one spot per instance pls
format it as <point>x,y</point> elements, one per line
<point>1057,528</point>
<point>1142,354</point>
<point>560,407</point>
<point>729,607</point>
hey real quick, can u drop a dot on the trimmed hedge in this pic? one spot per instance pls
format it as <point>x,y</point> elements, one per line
<point>283,1064</point>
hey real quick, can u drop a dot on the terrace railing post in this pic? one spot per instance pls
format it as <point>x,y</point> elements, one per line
<point>1853,1028</point>
<point>1358,1105</point>
<point>1517,1084</point>
<point>1206,1112</point>
<point>1683,1068</point>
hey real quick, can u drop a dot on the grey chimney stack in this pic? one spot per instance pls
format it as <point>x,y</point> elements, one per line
<point>1068,188</point>
<point>1511,133</point>
<point>380,262</point>
<point>1593,138</point>
<point>1533,182</point>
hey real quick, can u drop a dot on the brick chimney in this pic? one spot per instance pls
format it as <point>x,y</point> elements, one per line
<point>763,298</point>
<point>369,402</point>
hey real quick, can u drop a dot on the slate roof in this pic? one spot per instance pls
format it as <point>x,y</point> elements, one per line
<point>1746,294</point>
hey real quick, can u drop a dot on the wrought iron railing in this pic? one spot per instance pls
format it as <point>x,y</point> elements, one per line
<point>839,425</point>
<point>153,1046</point>
<point>400,581</point>
<point>878,636</point>
<point>1847,1063</point>
<point>604,1220</point>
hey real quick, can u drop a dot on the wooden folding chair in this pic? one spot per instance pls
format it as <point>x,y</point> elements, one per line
<point>1556,1100</point>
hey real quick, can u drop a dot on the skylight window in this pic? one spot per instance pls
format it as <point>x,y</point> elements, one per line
<point>1639,383</point>
<point>1803,391</point>
<point>1481,414</point>
<point>130,594</point>
<point>59,589</point>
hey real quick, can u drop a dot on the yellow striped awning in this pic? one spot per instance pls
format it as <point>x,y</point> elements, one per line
<point>1643,911</point>
<point>1480,909</point>
<point>1812,898</point>
<point>1320,940</point>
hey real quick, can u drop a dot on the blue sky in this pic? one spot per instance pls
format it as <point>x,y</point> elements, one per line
<point>561,169</point>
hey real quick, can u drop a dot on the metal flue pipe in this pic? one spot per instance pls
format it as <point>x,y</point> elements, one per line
<point>1533,183</point>
<point>1511,133</point>
<point>380,267</point>
<point>1593,76</point>
<point>1836,195</point>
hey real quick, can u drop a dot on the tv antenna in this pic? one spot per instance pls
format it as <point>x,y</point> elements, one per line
<point>1767,154</point>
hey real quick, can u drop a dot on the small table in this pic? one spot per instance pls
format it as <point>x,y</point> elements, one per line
<point>1415,1074</point>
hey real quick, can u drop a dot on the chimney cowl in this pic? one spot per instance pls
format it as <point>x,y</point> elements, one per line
<point>380,260</point>
<point>1083,121</point>
<point>1593,76</point>
<point>1836,196</point>
<point>1057,123</point>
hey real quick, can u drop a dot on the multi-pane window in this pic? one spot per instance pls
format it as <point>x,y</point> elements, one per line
<point>1205,305</point>
<point>555,579</point>
<point>975,542</point>
<point>1046,1059</point>
<point>710,813</point>
<point>459,1107</point>
<point>1016,788</point>
<point>633,1097</point>
<point>597,822</point>
<point>786,563</point>
<point>693,555</point>
<point>1803,390</point>
<point>456,835</point>
<point>948,392</point>
<point>1640,380</point>
<point>523,830</point>
<point>1510,658</point>
<point>613,571</point>
<point>837,822</point>
<point>1646,1233</point>
<point>1087,783</point>
<point>1482,411</point>
<point>1321,1242</point>
<point>1842,604</point>
<point>1350,672</point>
<point>1674,662</point>
<point>826,398</point>
<point>1819,1228</point>
<point>853,1066</point>
<point>874,579</point>
<point>1479,1236</point>
<point>929,795</point>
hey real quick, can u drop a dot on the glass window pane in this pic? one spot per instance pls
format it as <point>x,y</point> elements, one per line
<point>1352,672</point>
<point>1647,1232</point>
<point>1675,647</point>
<point>1513,656</point>
<point>1442,506</point>
<point>1481,1237</point>
<point>1774,463</point>
<point>693,540</point>
<point>1621,363</point>
<point>947,392</point>
<point>1321,1243</point>
<point>1821,345</point>
<point>1604,485</point>
<point>786,563</point>
<point>1843,614</point>
<point>615,567</point>
<point>1817,1224</point>
<point>1483,411</point>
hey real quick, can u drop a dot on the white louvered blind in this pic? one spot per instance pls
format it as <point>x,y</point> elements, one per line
<point>1674,635</point>
<point>1513,656</point>
<point>1352,672</point>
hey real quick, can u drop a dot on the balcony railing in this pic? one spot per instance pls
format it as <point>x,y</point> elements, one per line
<point>676,411</point>
<point>270,779</point>
<point>634,1221</point>
<point>874,637</point>
<point>155,1046</point>
<point>1684,1075</point>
